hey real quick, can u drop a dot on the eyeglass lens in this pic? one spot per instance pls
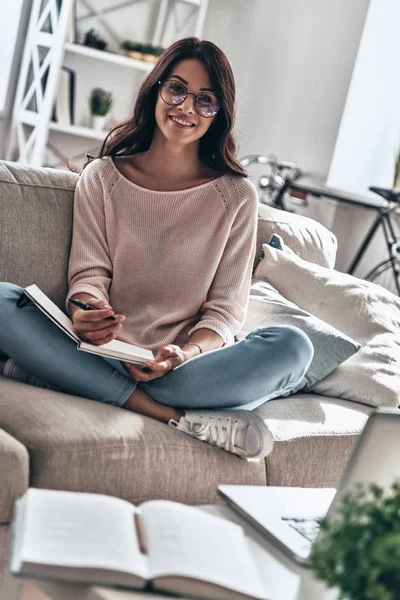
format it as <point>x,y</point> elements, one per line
<point>174,93</point>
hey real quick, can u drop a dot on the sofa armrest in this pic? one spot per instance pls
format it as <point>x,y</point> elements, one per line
<point>14,473</point>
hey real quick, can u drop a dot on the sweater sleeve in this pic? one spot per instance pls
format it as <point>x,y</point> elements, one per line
<point>90,266</point>
<point>225,307</point>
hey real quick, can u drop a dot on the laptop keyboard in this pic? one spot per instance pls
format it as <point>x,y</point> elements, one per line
<point>308,528</point>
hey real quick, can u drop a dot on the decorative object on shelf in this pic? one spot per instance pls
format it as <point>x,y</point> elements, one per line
<point>359,553</point>
<point>100,104</point>
<point>64,106</point>
<point>139,51</point>
<point>94,40</point>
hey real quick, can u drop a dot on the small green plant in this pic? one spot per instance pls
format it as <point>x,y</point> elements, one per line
<point>359,551</point>
<point>158,50</point>
<point>100,102</point>
<point>147,49</point>
<point>94,40</point>
<point>131,46</point>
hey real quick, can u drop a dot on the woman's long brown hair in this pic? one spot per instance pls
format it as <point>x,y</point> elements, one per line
<point>217,148</point>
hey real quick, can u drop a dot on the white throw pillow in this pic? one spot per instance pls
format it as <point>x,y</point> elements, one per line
<point>268,308</point>
<point>363,310</point>
<point>306,237</point>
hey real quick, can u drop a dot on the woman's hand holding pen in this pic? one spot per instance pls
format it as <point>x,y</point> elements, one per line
<point>95,326</point>
<point>167,359</point>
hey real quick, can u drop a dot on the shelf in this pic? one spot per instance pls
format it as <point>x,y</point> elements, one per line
<point>29,117</point>
<point>84,132</point>
<point>117,59</point>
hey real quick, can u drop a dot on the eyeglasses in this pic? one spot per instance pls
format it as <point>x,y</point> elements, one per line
<point>174,93</point>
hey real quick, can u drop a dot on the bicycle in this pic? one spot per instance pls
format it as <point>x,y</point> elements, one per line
<point>285,177</point>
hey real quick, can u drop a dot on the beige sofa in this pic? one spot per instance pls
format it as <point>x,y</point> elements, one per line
<point>53,440</point>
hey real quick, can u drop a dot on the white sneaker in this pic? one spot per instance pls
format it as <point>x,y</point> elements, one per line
<point>243,433</point>
<point>12,370</point>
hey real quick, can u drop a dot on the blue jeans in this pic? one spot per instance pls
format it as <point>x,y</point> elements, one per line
<point>266,364</point>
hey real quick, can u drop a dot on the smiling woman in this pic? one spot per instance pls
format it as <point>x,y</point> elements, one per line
<point>164,236</point>
<point>182,76</point>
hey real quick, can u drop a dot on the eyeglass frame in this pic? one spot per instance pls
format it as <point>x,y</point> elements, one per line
<point>162,83</point>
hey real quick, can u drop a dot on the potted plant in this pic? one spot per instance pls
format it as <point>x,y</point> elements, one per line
<point>149,54</point>
<point>94,40</point>
<point>359,551</point>
<point>133,49</point>
<point>100,104</point>
<point>145,52</point>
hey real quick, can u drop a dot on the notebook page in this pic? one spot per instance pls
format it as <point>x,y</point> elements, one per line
<point>119,350</point>
<point>81,530</point>
<point>185,541</point>
<point>113,349</point>
<point>51,310</point>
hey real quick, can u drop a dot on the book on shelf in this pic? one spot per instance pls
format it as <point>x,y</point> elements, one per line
<point>162,545</point>
<point>114,349</point>
<point>64,105</point>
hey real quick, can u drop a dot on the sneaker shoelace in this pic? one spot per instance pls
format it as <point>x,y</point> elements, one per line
<point>215,431</point>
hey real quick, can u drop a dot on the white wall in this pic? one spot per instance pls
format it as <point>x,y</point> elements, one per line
<point>9,25</point>
<point>293,63</point>
<point>14,18</point>
<point>369,134</point>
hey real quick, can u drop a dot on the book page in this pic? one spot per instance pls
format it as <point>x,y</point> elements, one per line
<point>187,542</point>
<point>74,529</point>
<point>113,349</point>
<point>119,350</point>
<point>51,310</point>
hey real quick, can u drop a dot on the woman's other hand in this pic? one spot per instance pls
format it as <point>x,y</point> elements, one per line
<point>93,326</point>
<point>167,359</point>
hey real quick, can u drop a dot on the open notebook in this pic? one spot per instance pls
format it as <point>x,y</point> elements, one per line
<point>114,349</point>
<point>163,545</point>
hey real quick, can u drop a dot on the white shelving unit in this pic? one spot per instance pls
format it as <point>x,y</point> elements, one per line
<point>117,59</point>
<point>45,53</point>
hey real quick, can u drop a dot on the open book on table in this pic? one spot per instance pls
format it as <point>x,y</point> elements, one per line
<point>93,538</point>
<point>114,349</point>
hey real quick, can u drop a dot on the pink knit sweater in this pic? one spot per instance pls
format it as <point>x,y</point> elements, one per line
<point>171,262</point>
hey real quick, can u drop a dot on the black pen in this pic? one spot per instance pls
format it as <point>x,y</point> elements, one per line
<point>85,306</point>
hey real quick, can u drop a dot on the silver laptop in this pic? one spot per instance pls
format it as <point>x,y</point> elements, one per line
<point>288,517</point>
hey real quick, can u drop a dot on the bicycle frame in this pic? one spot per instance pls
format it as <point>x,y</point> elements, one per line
<point>283,185</point>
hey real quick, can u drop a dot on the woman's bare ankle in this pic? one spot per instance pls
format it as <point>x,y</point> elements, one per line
<point>141,403</point>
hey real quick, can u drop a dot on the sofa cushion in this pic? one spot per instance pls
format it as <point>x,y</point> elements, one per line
<point>313,437</point>
<point>14,473</point>
<point>267,308</point>
<point>5,538</point>
<point>82,445</point>
<point>306,237</point>
<point>35,224</point>
<point>365,311</point>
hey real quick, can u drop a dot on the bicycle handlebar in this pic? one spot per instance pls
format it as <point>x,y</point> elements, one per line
<point>267,160</point>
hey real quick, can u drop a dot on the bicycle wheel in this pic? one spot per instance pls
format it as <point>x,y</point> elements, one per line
<point>387,274</point>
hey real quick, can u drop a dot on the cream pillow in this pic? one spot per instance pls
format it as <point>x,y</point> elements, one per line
<point>362,310</point>
<point>306,237</point>
<point>268,308</point>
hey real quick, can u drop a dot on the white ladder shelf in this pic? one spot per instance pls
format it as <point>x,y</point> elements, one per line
<point>43,58</point>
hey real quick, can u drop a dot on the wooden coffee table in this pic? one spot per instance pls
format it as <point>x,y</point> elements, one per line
<point>283,578</point>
